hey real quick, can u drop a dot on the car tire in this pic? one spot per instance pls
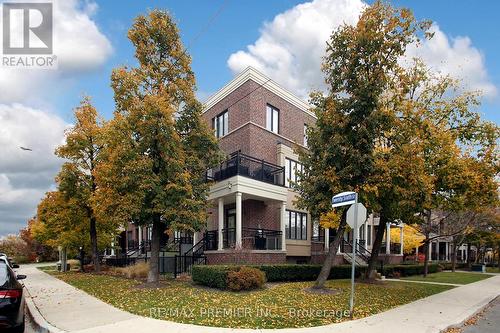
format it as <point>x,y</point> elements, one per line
<point>20,328</point>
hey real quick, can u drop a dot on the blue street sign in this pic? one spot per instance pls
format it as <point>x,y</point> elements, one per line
<point>344,198</point>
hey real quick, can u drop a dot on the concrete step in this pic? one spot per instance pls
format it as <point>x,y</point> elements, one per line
<point>359,261</point>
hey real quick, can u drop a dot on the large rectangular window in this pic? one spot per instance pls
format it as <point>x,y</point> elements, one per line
<point>220,124</point>
<point>293,169</point>
<point>296,225</point>
<point>272,118</point>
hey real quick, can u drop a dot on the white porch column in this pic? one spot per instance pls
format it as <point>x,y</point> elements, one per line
<point>195,238</point>
<point>366,233</point>
<point>430,251</point>
<point>140,235</point>
<point>220,215</point>
<point>283,225</point>
<point>327,239</point>
<point>388,238</point>
<point>447,251</point>
<point>112,248</point>
<point>401,238</point>
<point>238,220</point>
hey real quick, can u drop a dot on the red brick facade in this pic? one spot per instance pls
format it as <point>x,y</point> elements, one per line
<point>242,257</point>
<point>246,108</point>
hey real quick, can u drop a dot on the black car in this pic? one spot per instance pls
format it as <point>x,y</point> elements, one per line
<point>11,300</point>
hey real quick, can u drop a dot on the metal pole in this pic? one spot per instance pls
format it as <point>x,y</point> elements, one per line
<point>353,261</point>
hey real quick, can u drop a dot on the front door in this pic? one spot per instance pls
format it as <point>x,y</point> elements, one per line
<point>230,227</point>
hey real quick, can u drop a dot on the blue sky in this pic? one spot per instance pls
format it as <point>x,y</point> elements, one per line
<point>238,25</point>
<point>283,38</point>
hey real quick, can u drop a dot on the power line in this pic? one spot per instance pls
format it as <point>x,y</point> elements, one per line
<point>258,87</point>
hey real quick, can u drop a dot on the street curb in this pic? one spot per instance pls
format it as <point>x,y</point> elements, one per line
<point>38,321</point>
<point>478,311</point>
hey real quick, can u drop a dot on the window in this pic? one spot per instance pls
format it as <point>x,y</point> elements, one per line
<point>293,169</point>
<point>296,225</point>
<point>272,118</point>
<point>305,135</point>
<point>220,124</point>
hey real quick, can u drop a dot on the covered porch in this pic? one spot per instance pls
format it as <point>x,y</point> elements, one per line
<point>248,212</point>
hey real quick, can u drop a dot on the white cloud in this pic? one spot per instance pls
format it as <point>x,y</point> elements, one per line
<point>78,45</point>
<point>290,48</point>
<point>26,175</point>
<point>455,57</point>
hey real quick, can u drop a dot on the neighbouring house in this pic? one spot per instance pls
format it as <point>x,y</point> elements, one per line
<point>252,215</point>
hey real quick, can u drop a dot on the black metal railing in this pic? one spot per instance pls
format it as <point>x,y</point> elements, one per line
<point>228,238</point>
<point>318,238</point>
<point>361,251</point>
<point>253,238</point>
<point>184,264</point>
<point>394,248</point>
<point>248,166</point>
<point>210,240</point>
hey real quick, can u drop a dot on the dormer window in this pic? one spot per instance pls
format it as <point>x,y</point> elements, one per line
<point>272,118</point>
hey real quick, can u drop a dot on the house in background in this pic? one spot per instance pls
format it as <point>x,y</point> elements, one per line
<point>252,215</point>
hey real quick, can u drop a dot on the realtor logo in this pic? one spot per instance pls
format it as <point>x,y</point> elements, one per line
<point>27,35</point>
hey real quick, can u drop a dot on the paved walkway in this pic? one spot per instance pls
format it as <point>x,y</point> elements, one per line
<point>70,309</point>
<point>425,282</point>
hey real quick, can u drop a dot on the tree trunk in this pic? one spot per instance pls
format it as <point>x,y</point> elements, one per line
<point>93,240</point>
<point>377,243</point>
<point>64,259</point>
<point>427,242</point>
<point>332,251</point>
<point>454,256</point>
<point>154,269</point>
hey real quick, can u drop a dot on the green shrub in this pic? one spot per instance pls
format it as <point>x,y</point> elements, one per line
<point>213,276</point>
<point>245,278</point>
<point>407,270</point>
<point>293,272</point>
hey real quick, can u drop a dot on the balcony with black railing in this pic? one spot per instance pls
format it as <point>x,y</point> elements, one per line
<point>239,164</point>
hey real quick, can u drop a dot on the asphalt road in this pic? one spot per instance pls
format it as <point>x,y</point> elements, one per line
<point>488,322</point>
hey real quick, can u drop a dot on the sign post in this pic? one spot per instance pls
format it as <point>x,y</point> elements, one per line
<point>353,258</point>
<point>343,199</point>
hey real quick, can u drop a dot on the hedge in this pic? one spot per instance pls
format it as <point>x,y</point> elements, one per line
<point>215,276</point>
<point>407,270</point>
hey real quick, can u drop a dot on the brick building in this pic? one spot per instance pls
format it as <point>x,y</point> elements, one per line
<point>252,215</point>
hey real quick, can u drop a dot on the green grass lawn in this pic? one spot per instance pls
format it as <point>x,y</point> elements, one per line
<point>276,306</point>
<point>450,277</point>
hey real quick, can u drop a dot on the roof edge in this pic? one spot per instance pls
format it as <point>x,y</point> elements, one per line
<point>251,73</point>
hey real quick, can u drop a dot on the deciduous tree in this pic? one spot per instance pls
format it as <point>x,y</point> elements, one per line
<point>360,65</point>
<point>157,148</point>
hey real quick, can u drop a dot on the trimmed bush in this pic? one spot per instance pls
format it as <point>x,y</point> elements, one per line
<point>292,272</point>
<point>245,278</point>
<point>213,276</point>
<point>408,270</point>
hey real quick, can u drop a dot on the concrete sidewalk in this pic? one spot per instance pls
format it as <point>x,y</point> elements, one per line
<point>69,309</point>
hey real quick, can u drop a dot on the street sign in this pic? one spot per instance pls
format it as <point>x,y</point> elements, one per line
<point>361,215</point>
<point>343,199</point>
